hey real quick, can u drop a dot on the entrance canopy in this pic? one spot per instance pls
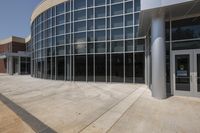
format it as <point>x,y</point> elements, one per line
<point>173,9</point>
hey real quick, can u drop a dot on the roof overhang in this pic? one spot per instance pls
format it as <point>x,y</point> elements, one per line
<point>173,9</point>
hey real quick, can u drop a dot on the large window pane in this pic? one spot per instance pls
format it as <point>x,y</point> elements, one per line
<point>80,48</point>
<point>80,15</point>
<point>80,37</point>
<point>60,40</point>
<point>117,9</point>
<point>60,8</point>
<point>117,46</point>
<point>140,45</point>
<point>60,50</point>
<point>80,26</point>
<point>60,30</point>
<point>100,68</point>
<point>129,7</point>
<point>80,68</point>
<point>100,47</point>
<point>100,36</point>
<point>186,29</point>
<point>117,68</point>
<point>117,22</point>
<point>90,68</point>
<point>129,68</point>
<point>137,5</point>
<point>100,12</point>
<point>60,19</point>
<point>129,20</point>
<point>129,33</point>
<point>78,4</point>
<point>117,34</point>
<point>139,68</point>
<point>60,68</point>
<point>100,24</point>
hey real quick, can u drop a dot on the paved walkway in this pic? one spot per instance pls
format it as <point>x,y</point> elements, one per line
<point>71,107</point>
<point>11,123</point>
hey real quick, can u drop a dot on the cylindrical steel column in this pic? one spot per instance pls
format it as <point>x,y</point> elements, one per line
<point>158,56</point>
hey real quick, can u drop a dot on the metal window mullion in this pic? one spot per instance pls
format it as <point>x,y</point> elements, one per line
<point>124,35</point>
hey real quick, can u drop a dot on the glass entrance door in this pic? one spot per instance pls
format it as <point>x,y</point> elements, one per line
<point>186,72</point>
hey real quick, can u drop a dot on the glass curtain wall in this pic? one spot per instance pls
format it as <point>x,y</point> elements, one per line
<point>89,40</point>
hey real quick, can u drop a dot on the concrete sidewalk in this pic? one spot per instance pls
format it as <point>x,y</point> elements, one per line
<point>11,123</point>
<point>72,107</point>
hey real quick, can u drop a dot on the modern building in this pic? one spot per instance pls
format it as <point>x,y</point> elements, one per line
<point>14,58</point>
<point>154,42</point>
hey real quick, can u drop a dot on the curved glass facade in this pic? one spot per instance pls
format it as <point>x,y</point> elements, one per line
<point>89,40</point>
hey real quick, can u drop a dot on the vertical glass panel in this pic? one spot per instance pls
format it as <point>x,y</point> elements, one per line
<point>99,2</point>
<point>117,34</point>
<point>182,72</point>
<point>129,33</point>
<point>80,15</point>
<point>108,67</point>
<point>67,17</point>
<point>90,48</point>
<point>100,23</point>
<point>117,46</point>
<point>129,20</point>
<point>89,3</point>
<point>117,9</point>
<point>60,19</point>
<point>80,37</point>
<point>67,6</point>
<point>60,68</point>
<point>139,45</point>
<point>68,50</point>
<point>139,68</point>
<point>80,26</point>
<point>198,72</point>
<point>100,68</point>
<point>60,30</point>
<point>78,4</point>
<point>100,36</point>
<point>49,68</point>
<point>90,37</point>
<point>90,67</point>
<point>90,25</point>
<point>117,21</point>
<point>136,31</point>
<point>80,68</point>
<point>100,47</point>
<point>90,13</point>
<point>129,45</point>
<point>129,68</point>
<point>53,68</point>
<point>129,7</point>
<point>100,12</point>
<point>60,50</point>
<point>67,68</point>
<point>137,5</point>
<point>60,8</point>
<point>117,68</point>
<point>60,40</point>
<point>136,19</point>
<point>80,48</point>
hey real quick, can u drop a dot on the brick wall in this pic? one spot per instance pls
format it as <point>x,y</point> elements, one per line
<point>3,66</point>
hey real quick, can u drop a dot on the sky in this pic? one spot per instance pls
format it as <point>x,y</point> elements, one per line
<point>15,17</point>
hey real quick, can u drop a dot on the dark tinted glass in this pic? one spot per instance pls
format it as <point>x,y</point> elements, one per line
<point>100,68</point>
<point>78,4</point>
<point>139,67</point>
<point>129,68</point>
<point>60,68</point>
<point>90,67</point>
<point>117,68</point>
<point>80,68</point>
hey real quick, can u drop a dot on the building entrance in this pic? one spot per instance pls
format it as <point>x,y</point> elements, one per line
<point>186,72</point>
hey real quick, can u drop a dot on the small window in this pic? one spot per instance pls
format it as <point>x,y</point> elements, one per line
<point>80,15</point>
<point>100,12</point>
<point>117,46</point>
<point>100,47</point>
<point>60,19</point>
<point>78,4</point>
